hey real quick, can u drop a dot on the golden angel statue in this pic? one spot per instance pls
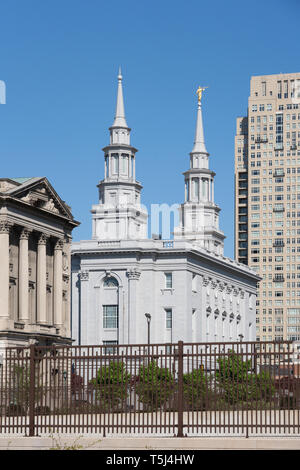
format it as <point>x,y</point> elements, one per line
<point>199,92</point>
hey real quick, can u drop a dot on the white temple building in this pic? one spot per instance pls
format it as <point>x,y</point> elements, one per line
<point>130,289</point>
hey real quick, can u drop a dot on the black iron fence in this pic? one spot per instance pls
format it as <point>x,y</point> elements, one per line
<point>246,388</point>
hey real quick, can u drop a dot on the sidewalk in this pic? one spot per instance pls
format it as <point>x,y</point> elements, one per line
<point>92,442</point>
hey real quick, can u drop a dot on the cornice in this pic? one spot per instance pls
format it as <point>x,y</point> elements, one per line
<point>156,252</point>
<point>120,146</point>
<point>205,171</point>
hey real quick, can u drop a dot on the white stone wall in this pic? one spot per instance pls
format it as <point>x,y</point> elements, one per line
<point>208,305</point>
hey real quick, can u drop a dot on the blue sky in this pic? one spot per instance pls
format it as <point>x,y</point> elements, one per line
<point>60,60</point>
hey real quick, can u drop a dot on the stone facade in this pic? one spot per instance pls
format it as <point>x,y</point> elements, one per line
<point>191,295</point>
<point>35,240</point>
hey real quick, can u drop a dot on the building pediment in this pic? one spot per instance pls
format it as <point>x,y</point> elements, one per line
<point>39,193</point>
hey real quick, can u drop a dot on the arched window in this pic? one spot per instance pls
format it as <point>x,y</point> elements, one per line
<point>110,281</point>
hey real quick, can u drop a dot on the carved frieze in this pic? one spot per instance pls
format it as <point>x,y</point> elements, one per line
<point>50,206</point>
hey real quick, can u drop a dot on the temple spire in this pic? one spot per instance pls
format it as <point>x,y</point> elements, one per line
<point>120,120</point>
<point>199,144</point>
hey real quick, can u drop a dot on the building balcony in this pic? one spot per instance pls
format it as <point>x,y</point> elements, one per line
<point>278,209</point>
<point>278,243</point>
<point>279,173</point>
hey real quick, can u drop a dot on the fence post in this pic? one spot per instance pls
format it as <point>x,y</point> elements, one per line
<point>180,389</point>
<point>32,390</point>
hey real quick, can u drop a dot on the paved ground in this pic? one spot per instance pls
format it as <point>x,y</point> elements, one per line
<point>75,442</point>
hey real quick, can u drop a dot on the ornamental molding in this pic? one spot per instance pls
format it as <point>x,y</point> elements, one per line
<point>133,274</point>
<point>59,244</point>
<point>84,275</point>
<point>25,233</point>
<point>5,226</point>
<point>43,239</point>
<point>221,286</point>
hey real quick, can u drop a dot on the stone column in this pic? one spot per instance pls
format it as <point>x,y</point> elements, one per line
<point>66,261</point>
<point>41,280</point>
<point>23,276</point>
<point>57,284</point>
<point>4,269</point>
<point>132,321</point>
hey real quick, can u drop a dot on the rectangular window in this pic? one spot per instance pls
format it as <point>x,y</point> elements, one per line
<point>168,318</point>
<point>110,316</point>
<point>169,280</point>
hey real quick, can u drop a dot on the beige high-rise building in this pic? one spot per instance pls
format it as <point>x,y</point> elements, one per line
<point>267,201</point>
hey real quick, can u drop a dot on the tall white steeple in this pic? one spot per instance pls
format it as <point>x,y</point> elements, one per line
<point>119,214</point>
<point>199,215</point>
<point>120,120</point>
<point>199,144</point>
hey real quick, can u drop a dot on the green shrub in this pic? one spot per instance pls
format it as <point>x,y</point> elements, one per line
<point>111,385</point>
<point>196,390</point>
<point>237,383</point>
<point>154,386</point>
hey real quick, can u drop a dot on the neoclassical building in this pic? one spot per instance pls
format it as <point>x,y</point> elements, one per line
<point>35,239</point>
<point>128,288</point>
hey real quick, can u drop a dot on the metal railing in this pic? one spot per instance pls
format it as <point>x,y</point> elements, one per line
<point>207,389</point>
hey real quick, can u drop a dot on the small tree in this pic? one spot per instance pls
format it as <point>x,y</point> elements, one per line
<point>238,383</point>
<point>196,390</point>
<point>111,385</point>
<point>154,386</point>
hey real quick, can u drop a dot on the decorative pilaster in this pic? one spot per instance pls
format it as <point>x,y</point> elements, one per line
<point>133,276</point>
<point>5,227</point>
<point>23,275</point>
<point>57,284</point>
<point>84,306</point>
<point>41,279</point>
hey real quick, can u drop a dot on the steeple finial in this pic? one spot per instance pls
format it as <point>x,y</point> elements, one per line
<point>120,120</point>
<point>199,144</point>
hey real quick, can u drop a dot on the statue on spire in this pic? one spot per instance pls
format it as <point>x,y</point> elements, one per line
<point>199,92</point>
